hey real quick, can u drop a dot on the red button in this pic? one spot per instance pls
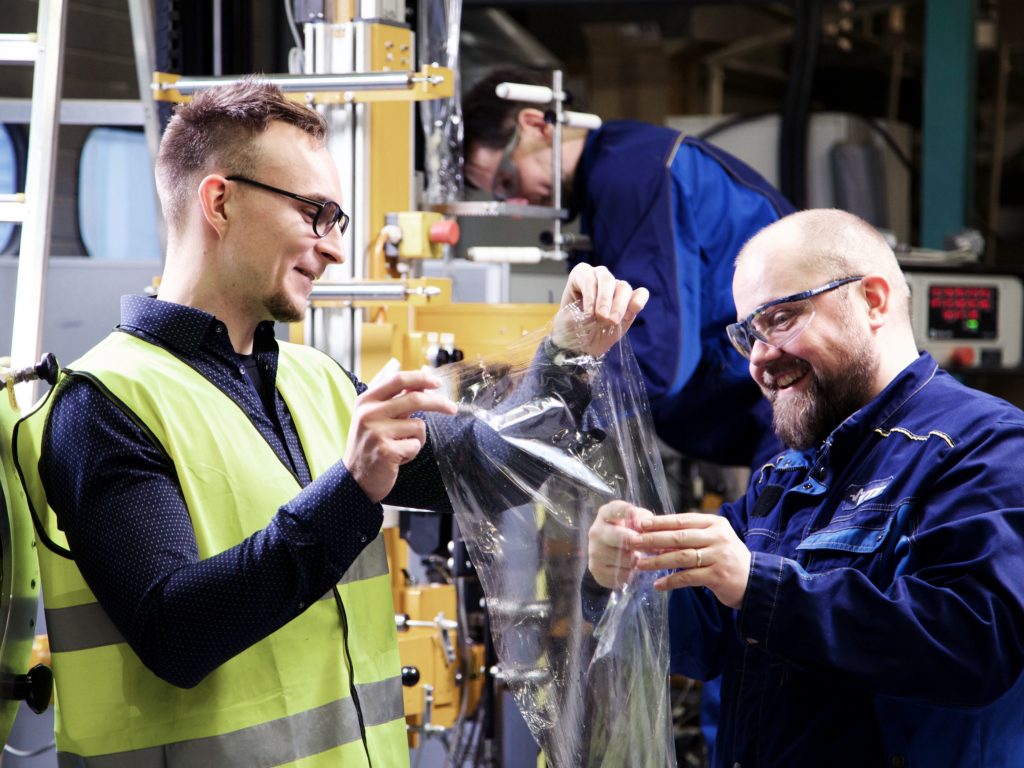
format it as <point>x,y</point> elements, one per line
<point>445,231</point>
<point>961,357</point>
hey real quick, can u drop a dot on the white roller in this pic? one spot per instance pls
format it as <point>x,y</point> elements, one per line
<point>581,120</point>
<point>534,94</point>
<point>504,255</point>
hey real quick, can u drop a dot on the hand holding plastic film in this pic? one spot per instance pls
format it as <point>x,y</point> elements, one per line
<point>554,435</point>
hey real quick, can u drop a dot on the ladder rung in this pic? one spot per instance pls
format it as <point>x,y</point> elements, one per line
<point>12,207</point>
<point>79,111</point>
<point>18,49</point>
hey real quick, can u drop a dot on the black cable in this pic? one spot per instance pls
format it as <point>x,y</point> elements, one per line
<point>731,122</point>
<point>890,142</point>
<point>796,112</point>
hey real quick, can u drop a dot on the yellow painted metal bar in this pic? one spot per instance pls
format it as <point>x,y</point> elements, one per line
<point>390,140</point>
<point>426,84</point>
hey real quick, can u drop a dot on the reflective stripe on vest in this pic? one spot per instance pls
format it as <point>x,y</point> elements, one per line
<point>109,706</point>
<point>80,627</point>
<point>266,744</point>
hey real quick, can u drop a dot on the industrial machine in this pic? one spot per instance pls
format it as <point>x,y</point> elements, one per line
<point>967,319</point>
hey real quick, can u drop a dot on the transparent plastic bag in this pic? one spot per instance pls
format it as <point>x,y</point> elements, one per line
<point>553,435</point>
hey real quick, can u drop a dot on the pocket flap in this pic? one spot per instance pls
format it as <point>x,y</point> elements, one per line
<point>862,532</point>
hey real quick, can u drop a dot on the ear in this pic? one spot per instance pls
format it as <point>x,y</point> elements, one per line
<point>878,298</point>
<point>531,121</point>
<point>213,195</point>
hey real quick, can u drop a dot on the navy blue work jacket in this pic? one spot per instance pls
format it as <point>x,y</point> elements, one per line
<point>883,624</point>
<point>670,214</point>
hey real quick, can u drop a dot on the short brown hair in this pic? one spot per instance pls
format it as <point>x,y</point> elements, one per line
<point>215,132</point>
<point>488,120</point>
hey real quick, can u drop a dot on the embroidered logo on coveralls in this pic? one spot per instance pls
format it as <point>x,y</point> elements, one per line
<point>858,494</point>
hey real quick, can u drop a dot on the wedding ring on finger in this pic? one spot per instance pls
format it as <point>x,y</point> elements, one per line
<point>697,553</point>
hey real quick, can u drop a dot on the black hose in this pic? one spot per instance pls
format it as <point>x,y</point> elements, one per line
<point>796,111</point>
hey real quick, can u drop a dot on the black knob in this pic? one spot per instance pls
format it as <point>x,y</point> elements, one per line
<point>35,687</point>
<point>410,676</point>
<point>47,368</point>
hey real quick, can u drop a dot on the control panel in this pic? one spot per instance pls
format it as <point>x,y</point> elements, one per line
<point>968,320</point>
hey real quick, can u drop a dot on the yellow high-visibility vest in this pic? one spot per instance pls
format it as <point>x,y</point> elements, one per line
<point>296,697</point>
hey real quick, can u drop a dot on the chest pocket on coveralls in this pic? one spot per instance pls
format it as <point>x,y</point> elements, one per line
<point>860,526</point>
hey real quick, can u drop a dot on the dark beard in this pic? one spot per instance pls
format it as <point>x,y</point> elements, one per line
<point>806,420</point>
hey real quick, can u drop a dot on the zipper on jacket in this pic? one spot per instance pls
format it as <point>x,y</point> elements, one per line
<point>351,673</point>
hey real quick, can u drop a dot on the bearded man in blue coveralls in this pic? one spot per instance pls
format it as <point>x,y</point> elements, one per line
<point>864,601</point>
<point>665,212</point>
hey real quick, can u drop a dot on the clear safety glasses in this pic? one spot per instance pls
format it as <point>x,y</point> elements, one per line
<point>506,177</point>
<point>781,320</point>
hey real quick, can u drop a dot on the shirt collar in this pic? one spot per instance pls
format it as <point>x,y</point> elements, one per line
<point>886,404</point>
<point>178,327</point>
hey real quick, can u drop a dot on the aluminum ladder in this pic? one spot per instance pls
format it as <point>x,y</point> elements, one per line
<point>44,51</point>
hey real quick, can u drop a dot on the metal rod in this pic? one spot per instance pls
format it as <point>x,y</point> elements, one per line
<point>218,51</point>
<point>370,291</point>
<point>358,81</point>
<point>140,13</point>
<point>556,158</point>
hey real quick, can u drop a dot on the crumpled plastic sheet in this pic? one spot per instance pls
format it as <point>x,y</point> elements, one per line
<point>552,440</point>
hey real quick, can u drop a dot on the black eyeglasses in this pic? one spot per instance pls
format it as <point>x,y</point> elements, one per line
<point>328,212</point>
<point>781,320</point>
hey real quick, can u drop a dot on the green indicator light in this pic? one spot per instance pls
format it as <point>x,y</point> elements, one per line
<point>972,325</point>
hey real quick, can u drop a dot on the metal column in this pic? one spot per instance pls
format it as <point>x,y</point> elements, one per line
<point>948,126</point>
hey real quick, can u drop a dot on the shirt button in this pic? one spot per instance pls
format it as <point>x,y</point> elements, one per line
<point>302,606</point>
<point>363,538</point>
<point>219,329</point>
<point>807,486</point>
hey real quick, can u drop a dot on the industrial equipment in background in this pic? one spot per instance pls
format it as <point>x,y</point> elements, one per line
<point>967,319</point>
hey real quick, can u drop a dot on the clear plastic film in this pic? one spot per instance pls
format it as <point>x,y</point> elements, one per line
<point>555,435</point>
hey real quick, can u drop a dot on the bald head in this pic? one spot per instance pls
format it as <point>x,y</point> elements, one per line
<point>854,334</point>
<point>820,245</point>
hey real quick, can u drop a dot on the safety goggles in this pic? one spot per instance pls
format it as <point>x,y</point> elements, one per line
<point>781,320</point>
<point>506,177</point>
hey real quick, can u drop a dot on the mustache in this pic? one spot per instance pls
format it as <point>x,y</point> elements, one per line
<point>771,373</point>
